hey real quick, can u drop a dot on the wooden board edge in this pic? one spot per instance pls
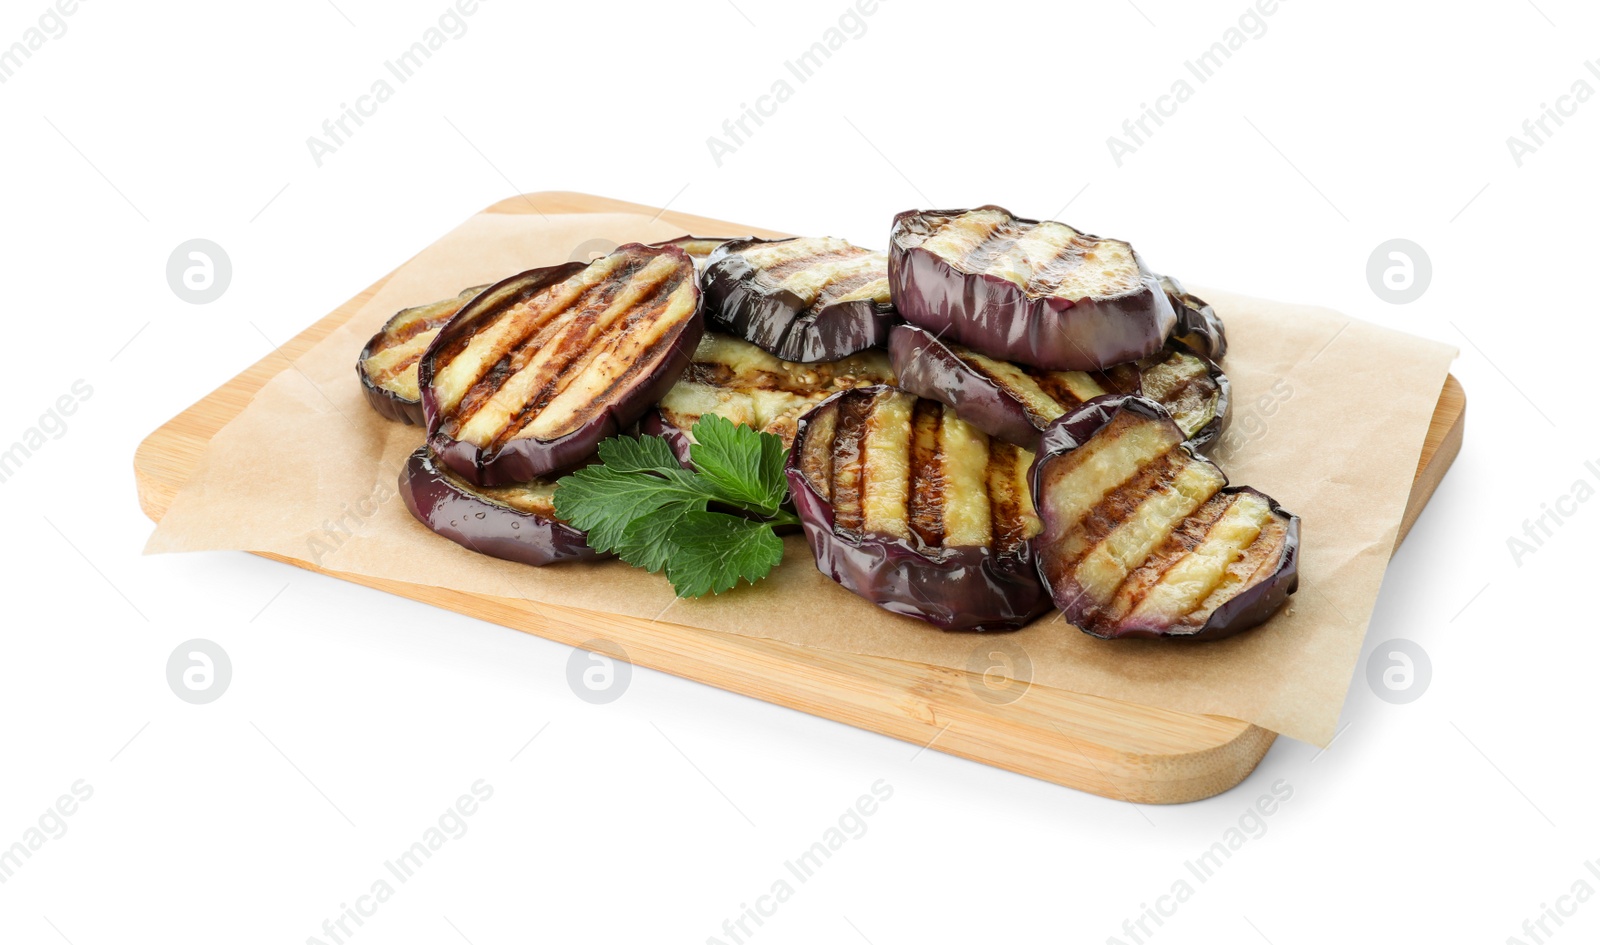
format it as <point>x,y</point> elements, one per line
<point>165,459</point>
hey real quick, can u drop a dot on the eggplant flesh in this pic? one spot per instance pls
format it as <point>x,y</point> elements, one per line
<point>917,511</point>
<point>516,522</point>
<point>1030,292</point>
<point>699,248</point>
<point>531,375</point>
<point>739,381</point>
<point>1015,402</point>
<point>1142,538</point>
<point>388,364</point>
<point>1199,326</point>
<point>803,299</point>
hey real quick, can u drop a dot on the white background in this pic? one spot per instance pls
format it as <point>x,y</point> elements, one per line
<point>354,718</point>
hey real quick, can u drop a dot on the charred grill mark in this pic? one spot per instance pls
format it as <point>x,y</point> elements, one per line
<point>846,476</point>
<point>1066,388</point>
<point>714,374</point>
<point>1183,539</point>
<point>996,244</point>
<point>578,348</point>
<point>789,267</point>
<point>1188,585</point>
<point>841,287</point>
<point>1112,509</point>
<point>927,496</point>
<point>1010,504</point>
<point>540,320</point>
<point>899,466</point>
<point>816,457</point>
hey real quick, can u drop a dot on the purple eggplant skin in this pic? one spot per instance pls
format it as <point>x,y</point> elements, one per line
<point>996,317</point>
<point>926,366</point>
<point>526,459</point>
<point>955,589</point>
<point>480,524</point>
<point>1199,326</point>
<point>1248,609</point>
<point>769,318</point>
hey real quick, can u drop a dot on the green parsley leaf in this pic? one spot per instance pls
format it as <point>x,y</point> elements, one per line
<point>639,503</point>
<point>647,540</point>
<point>713,551</point>
<point>744,465</point>
<point>603,501</point>
<point>626,454</point>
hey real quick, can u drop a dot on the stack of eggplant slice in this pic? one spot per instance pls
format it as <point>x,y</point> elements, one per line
<point>997,416</point>
<point>1039,339</point>
<point>523,383</point>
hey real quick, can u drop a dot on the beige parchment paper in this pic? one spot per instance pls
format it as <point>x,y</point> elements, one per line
<point>1329,418</point>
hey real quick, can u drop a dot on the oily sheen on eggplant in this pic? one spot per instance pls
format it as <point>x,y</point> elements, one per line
<point>802,299</point>
<point>739,381</point>
<point>699,248</point>
<point>1199,326</point>
<point>1041,294</point>
<point>1015,402</point>
<point>388,364</point>
<point>1142,538</point>
<point>919,512</point>
<point>536,371</point>
<point>516,522</point>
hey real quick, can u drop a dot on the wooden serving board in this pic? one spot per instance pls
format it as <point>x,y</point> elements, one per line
<point>1117,749</point>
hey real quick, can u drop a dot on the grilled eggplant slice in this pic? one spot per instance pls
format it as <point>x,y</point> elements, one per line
<point>1199,325</point>
<point>802,299</point>
<point>388,364</point>
<point>1141,538</point>
<point>699,248</point>
<point>918,511</point>
<point>737,380</point>
<point>1041,294</point>
<point>530,376</point>
<point>1014,402</point>
<point>516,522</point>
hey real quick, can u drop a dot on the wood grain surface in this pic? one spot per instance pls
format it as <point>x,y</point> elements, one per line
<point>1117,749</point>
